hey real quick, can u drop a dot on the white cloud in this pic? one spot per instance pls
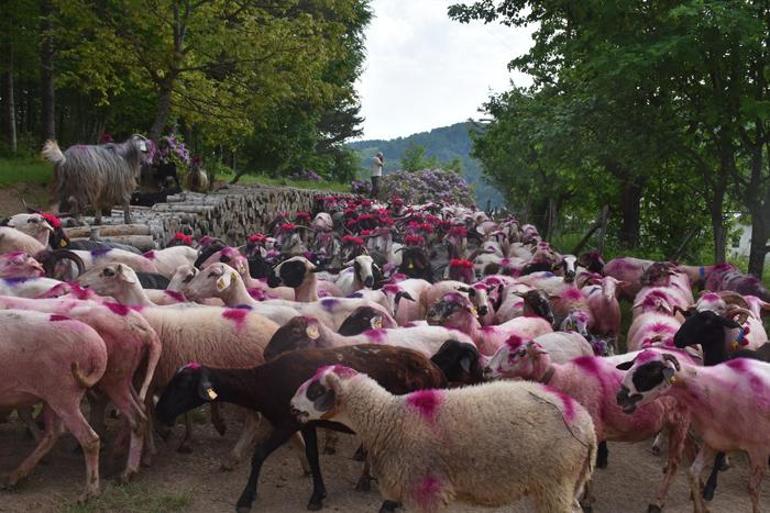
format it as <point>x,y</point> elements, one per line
<point>424,70</point>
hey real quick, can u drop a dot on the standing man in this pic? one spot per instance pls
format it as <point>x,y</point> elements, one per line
<point>378,162</point>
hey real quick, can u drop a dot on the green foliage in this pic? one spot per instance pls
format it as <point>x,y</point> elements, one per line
<point>659,110</point>
<point>226,174</point>
<point>24,170</point>
<point>272,82</point>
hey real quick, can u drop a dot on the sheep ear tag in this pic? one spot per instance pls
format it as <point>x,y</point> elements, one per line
<point>211,394</point>
<point>312,332</point>
<point>62,243</point>
<point>668,375</point>
<point>376,322</point>
<point>224,281</point>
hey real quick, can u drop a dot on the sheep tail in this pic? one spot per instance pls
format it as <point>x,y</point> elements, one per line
<point>53,153</point>
<point>82,379</point>
<point>153,357</point>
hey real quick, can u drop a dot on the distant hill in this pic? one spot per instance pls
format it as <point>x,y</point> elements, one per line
<point>445,143</point>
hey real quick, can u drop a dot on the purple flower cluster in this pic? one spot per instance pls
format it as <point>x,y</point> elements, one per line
<point>361,187</point>
<point>306,174</point>
<point>434,185</point>
<point>170,150</point>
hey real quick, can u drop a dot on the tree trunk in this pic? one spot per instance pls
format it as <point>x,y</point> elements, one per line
<point>720,233</point>
<point>760,233</point>
<point>163,110</point>
<point>48,97</point>
<point>631,211</point>
<point>9,110</point>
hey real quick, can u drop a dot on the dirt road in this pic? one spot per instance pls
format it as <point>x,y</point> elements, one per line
<point>193,482</point>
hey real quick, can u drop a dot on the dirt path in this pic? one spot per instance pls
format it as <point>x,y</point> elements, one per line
<point>193,482</point>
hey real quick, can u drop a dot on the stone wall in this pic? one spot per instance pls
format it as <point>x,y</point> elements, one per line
<point>231,213</point>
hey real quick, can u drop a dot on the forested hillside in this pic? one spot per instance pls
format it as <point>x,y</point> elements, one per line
<point>445,143</point>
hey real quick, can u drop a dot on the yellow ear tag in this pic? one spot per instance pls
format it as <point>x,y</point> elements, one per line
<point>210,392</point>
<point>312,332</point>
<point>410,265</point>
<point>62,243</point>
<point>672,380</point>
<point>473,311</point>
<point>377,323</point>
<point>222,283</point>
<point>734,345</point>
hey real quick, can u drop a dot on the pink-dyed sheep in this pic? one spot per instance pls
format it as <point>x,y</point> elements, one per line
<point>53,359</point>
<point>605,308</point>
<point>628,270</point>
<point>456,311</point>
<point>594,382</point>
<point>129,341</point>
<point>728,404</point>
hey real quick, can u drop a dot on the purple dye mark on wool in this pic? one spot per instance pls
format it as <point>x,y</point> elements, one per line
<point>427,492</point>
<point>237,315</point>
<point>376,336</point>
<point>426,402</point>
<point>568,403</point>
<point>59,317</point>
<point>329,304</point>
<point>14,281</point>
<point>118,308</point>
<point>150,255</point>
<point>98,252</point>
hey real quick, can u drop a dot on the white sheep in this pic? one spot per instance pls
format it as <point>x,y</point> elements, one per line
<point>487,444</point>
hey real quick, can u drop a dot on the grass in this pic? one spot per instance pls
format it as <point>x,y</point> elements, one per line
<point>261,179</point>
<point>24,170</point>
<point>133,498</point>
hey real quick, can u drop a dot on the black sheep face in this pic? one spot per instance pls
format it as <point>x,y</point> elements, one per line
<point>706,328</point>
<point>292,274</point>
<point>361,319</point>
<point>459,362</point>
<point>649,375</point>
<point>539,304</point>
<point>189,388</point>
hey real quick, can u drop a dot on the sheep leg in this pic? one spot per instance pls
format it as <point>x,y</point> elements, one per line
<point>711,482</point>
<point>98,402</point>
<point>217,420</point>
<point>705,455</point>
<point>120,393</point>
<point>311,453</point>
<point>365,481</point>
<point>758,464</point>
<point>98,217</point>
<point>126,211</point>
<point>299,444</point>
<point>249,436</point>
<point>602,455</point>
<point>656,444</point>
<point>676,440</point>
<point>330,445</point>
<point>276,439</point>
<point>25,414</point>
<point>76,423</point>
<point>52,432</point>
<point>185,447</point>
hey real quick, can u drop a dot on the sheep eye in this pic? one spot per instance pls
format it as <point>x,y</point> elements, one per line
<point>108,272</point>
<point>522,352</point>
<point>224,259</point>
<point>188,278</point>
<point>315,391</point>
<point>212,275</point>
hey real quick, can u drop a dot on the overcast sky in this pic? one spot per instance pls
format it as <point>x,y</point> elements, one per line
<point>424,70</point>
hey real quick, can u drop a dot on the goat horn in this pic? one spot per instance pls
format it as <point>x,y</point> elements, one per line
<point>733,298</point>
<point>671,358</point>
<point>743,313</point>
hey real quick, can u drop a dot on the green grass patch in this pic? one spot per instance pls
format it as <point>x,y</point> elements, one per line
<point>24,170</point>
<point>133,498</point>
<point>261,179</point>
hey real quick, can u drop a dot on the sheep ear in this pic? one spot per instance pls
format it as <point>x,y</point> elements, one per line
<point>125,275</point>
<point>668,374</point>
<point>224,281</point>
<point>625,365</point>
<point>332,381</point>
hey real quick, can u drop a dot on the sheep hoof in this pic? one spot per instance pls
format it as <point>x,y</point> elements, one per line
<point>315,505</point>
<point>364,484</point>
<point>7,482</point>
<point>126,476</point>
<point>88,495</point>
<point>243,509</point>
<point>708,493</point>
<point>654,508</point>
<point>587,508</point>
<point>389,507</point>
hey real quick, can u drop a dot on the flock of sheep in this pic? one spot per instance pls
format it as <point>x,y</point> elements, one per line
<point>408,325</point>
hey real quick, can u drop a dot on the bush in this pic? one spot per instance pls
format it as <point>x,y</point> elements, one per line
<point>435,185</point>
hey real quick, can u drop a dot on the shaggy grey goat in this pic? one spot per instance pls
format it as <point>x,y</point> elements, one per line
<point>100,175</point>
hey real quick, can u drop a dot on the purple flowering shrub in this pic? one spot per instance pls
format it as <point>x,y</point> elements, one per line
<point>361,187</point>
<point>171,150</point>
<point>306,174</point>
<point>427,185</point>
